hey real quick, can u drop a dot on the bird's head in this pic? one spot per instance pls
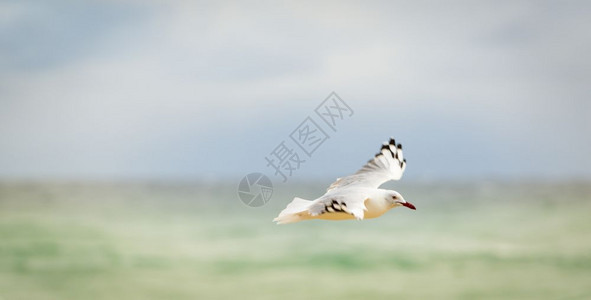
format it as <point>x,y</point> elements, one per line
<point>397,200</point>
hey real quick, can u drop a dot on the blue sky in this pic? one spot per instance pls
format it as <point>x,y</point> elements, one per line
<point>183,90</point>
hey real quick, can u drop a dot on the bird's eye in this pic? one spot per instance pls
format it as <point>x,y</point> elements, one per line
<point>394,197</point>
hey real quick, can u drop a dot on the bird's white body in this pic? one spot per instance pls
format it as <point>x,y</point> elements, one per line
<point>356,196</point>
<point>375,203</point>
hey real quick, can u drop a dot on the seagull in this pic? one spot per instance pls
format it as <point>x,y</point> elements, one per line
<point>356,196</point>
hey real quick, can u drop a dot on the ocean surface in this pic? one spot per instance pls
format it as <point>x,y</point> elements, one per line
<point>190,240</point>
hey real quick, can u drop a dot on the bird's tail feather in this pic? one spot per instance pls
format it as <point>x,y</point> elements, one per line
<point>294,212</point>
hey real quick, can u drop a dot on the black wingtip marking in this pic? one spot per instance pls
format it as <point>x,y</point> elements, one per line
<point>387,148</point>
<point>399,146</point>
<point>334,207</point>
<point>392,141</point>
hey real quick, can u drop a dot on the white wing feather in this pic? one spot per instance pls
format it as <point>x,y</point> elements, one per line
<point>388,164</point>
<point>351,201</point>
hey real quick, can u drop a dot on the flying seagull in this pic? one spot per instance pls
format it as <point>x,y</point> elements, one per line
<point>355,196</point>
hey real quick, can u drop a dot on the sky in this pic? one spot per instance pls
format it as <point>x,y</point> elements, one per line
<point>206,90</point>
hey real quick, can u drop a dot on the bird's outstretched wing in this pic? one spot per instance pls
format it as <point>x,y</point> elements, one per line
<point>388,164</point>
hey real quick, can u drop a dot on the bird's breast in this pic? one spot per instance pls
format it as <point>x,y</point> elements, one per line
<point>376,207</point>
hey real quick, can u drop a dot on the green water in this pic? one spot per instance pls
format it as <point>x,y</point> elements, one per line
<point>195,241</point>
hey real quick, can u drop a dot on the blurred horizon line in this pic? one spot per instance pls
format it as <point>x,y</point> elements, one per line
<point>320,180</point>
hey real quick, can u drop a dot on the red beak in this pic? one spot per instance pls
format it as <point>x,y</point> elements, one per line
<point>409,205</point>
